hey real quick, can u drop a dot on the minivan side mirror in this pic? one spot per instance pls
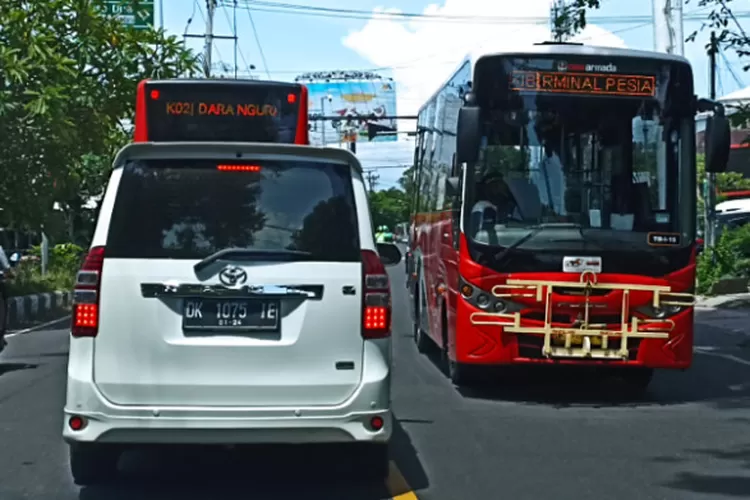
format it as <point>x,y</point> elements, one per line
<point>469,135</point>
<point>389,254</point>
<point>718,143</point>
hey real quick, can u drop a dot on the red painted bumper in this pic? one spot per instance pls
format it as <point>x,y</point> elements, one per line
<point>492,345</point>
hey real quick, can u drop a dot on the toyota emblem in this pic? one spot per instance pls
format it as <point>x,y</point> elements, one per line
<point>233,276</point>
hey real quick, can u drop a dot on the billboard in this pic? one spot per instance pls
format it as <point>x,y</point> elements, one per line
<point>357,105</point>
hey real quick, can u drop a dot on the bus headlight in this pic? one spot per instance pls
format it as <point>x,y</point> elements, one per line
<point>486,300</point>
<point>659,312</point>
<point>483,300</point>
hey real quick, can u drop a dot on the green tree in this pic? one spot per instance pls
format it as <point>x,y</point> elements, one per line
<point>570,18</point>
<point>389,207</point>
<point>68,77</point>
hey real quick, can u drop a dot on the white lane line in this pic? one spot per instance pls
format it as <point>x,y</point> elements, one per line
<point>709,352</point>
<point>37,327</point>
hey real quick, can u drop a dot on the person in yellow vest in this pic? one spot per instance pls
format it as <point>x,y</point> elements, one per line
<point>383,235</point>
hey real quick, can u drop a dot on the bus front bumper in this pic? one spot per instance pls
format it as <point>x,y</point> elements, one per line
<point>510,338</point>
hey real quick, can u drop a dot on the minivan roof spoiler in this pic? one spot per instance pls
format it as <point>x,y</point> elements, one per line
<point>237,150</point>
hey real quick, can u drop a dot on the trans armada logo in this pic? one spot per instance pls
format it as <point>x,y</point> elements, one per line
<point>588,68</point>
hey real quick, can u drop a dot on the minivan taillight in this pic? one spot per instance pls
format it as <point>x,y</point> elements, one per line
<point>85,318</point>
<point>376,297</point>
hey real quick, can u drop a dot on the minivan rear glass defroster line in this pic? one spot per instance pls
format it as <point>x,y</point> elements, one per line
<point>244,253</point>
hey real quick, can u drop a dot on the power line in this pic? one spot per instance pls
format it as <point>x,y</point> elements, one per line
<point>414,62</point>
<point>257,42</point>
<point>330,12</point>
<point>237,49</point>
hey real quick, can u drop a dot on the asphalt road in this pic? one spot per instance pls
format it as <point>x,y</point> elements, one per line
<point>555,434</point>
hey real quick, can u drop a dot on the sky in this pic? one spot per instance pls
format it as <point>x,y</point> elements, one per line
<point>418,54</point>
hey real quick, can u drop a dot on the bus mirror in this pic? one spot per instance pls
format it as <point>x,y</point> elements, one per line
<point>718,140</point>
<point>469,135</point>
<point>451,186</point>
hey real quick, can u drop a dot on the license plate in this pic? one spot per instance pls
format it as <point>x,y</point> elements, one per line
<point>231,314</point>
<point>576,340</point>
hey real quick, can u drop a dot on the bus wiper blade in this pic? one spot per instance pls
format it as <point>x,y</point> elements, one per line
<point>240,253</point>
<point>534,231</point>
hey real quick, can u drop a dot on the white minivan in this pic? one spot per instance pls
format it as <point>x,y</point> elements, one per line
<point>232,294</point>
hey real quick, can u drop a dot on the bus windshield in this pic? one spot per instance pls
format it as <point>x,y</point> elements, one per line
<point>602,168</point>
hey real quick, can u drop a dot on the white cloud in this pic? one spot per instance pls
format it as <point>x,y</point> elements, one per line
<point>424,54</point>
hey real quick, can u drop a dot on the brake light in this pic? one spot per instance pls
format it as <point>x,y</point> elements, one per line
<point>238,168</point>
<point>376,298</point>
<point>85,319</point>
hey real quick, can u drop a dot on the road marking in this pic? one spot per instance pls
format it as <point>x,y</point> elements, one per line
<point>730,357</point>
<point>37,327</point>
<point>397,486</point>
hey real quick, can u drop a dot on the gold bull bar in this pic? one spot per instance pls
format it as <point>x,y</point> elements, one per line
<point>542,290</point>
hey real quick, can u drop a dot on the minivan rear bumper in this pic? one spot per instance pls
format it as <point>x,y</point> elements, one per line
<point>224,428</point>
<point>351,421</point>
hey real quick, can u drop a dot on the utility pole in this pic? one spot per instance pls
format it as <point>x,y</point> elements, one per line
<point>667,38</point>
<point>372,179</point>
<point>209,41</point>
<point>709,194</point>
<point>668,35</point>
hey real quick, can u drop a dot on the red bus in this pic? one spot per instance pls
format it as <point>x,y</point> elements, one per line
<point>221,110</point>
<point>554,220</point>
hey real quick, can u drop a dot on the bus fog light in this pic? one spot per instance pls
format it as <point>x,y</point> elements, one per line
<point>500,306</point>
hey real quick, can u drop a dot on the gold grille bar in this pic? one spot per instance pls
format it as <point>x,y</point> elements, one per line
<point>630,327</point>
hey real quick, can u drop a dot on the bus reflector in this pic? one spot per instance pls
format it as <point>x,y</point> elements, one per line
<point>238,168</point>
<point>291,98</point>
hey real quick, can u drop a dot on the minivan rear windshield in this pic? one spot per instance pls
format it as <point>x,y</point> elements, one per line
<point>189,209</point>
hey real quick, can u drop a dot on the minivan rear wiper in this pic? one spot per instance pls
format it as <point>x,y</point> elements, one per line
<point>240,253</point>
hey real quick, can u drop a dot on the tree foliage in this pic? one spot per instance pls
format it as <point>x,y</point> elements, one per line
<point>68,77</point>
<point>729,36</point>
<point>571,18</point>
<point>389,207</point>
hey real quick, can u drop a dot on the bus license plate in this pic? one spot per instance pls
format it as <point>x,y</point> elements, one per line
<point>231,314</point>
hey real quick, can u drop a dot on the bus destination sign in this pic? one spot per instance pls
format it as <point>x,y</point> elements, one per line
<point>200,108</point>
<point>223,111</point>
<point>565,82</point>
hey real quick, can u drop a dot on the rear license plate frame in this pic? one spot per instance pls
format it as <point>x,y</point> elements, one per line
<point>267,312</point>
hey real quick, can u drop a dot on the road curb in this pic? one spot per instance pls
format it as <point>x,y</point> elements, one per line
<point>39,306</point>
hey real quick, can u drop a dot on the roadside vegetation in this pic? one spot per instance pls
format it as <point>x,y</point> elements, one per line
<point>63,264</point>
<point>68,77</point>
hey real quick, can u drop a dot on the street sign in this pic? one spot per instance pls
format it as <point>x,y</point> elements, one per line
<point>136,13</point>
